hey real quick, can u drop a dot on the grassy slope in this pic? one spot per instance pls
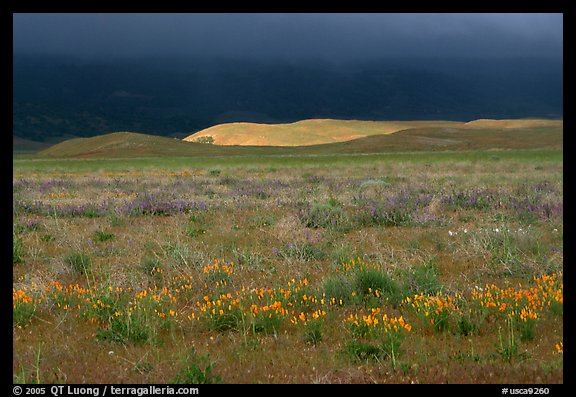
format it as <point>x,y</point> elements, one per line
<point>418,139</point>
<point>125,145</point>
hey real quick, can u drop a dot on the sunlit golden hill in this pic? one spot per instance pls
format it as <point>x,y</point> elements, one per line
<point>307,132</point>
<point>323,131</point>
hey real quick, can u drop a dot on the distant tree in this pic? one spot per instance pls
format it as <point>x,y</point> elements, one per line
<point>205,139</point>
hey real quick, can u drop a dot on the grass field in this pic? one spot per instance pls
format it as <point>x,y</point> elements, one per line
<point>403,267</point>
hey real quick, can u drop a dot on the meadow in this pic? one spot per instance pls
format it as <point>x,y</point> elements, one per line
<point>424,267</point>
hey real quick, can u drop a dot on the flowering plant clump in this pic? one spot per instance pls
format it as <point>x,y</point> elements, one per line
<point>374,323</point>
<point>523,306</point>
<point>221,313</point>
<point>370,283</point>
<point>397,209</point>
<point>551,288</point>
<point>375,326</point>
<point>306,318</point>
<point>357,265</point>
<point>219,272</point>
<point>523,303</point>
<point>260,309</point>
<point>436,310</point>
<point>24,306</point>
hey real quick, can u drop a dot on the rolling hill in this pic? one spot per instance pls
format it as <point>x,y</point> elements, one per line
<point>456,136</point>
<point>124,144</point>
<point>323,131</point>
<point>306,132</point>
<point>439,138</point>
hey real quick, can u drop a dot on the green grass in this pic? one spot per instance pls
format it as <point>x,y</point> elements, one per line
<point>204,163</point>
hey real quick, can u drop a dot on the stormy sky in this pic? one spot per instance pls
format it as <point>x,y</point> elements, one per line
<point>326,37</point>
<point>89,74</point>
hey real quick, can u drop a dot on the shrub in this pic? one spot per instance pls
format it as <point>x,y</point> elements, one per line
<point>362,351</point>
<point>194,231</point>
<point>342,254</point>
<point>267,322</point>
<point>79,262</point>
<point>177,253</point>
<point>151,266</point>
<point>338,288</point>
<point>423,278</point>
<point>262,220</point>
<point>47,238</point>
<point>304,251</point>
<point>115,220</point>
<point>325,215</point>
<point>466,326</point>
<point>247,259</point>
<point>205,139</point>
<point>17,250</point>
<point>225,321</point>
<point>124,329</point>
<point>367,281</point>
<point>379,183</point>
<point>527,330</point>
<point>197,370</point>
<point>313,332</point>
<point>102,236</point>
<point>91,212</point>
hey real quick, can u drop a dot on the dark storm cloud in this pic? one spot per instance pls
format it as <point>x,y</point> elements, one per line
<point>333,37</point>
